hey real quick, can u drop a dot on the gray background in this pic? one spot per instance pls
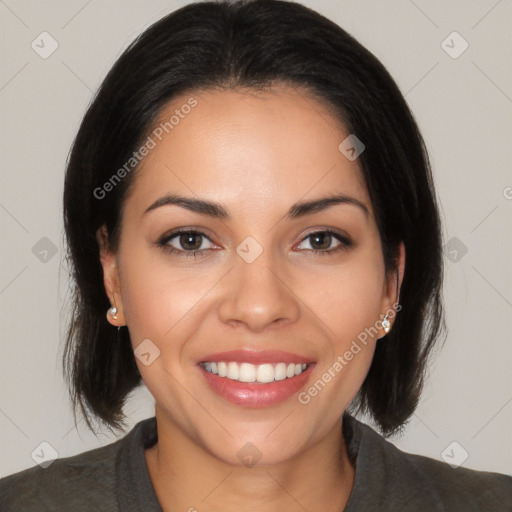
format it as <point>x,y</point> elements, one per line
<point>463,106</point>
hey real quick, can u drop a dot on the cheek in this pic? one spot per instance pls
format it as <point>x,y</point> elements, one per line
<point>351,308</point>
<point>161,305</point>
<point>348,301</point>
<point>163,302</point>
<point>348,298</point>
<point>158,301</point>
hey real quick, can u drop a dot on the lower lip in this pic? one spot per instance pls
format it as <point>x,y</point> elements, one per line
<point>254,394</point>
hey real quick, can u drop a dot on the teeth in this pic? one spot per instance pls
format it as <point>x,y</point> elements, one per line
<point>281,371</point>
<point>246,372</point>
<point>222,369</point>
<point>265,373</point>
<point>233,371</point>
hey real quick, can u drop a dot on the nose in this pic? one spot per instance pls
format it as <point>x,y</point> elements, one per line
<point>259,294</point>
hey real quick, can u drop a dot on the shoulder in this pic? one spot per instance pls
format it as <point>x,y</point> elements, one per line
<point>457,488</point>
<point>429,484</point>
<point>82,482</point>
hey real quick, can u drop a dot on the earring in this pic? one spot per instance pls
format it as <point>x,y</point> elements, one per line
<point>112,312</point>
<point>386,324</point>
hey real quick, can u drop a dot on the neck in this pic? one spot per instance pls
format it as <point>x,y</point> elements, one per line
<point>187,477</point>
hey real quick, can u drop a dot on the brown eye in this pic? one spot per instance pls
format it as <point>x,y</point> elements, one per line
<point>190,241</point>
<point>321,242</point>
<point>185,243</point>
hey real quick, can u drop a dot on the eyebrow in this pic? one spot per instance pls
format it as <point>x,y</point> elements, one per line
<point>216,210</point>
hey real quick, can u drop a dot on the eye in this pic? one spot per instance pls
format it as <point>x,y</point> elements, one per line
<point>321,242</point>
<point>191,243</point>
<point>184,243</point>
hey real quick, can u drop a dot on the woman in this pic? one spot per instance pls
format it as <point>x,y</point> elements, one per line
<point>255,235</point>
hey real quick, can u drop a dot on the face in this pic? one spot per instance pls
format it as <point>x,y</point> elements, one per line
<point>245,315</point>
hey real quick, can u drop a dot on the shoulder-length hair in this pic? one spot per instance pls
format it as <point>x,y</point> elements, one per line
<point>253,44</point>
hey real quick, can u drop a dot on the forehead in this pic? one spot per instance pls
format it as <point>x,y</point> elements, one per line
<point>247,149</point>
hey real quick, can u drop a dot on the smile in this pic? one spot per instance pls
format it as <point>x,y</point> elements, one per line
<point>247,372</point>
<point>255,378</point>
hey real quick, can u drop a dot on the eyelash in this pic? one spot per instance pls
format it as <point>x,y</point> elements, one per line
<point>162,243</point>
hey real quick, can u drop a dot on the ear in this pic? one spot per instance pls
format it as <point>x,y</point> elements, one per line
<point>110,277</point>
<point>392,286</point>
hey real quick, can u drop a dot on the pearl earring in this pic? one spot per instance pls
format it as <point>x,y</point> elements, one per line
<point>112,311</point>
<point>386,324</point>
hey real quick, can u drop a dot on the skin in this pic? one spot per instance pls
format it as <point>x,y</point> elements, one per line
<point>256,154</point>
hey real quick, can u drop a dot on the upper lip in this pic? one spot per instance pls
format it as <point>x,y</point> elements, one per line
<point>255,357</point>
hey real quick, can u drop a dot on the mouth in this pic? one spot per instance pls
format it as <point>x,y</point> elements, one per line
<point>247,372</point>
<point>255,378</point>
